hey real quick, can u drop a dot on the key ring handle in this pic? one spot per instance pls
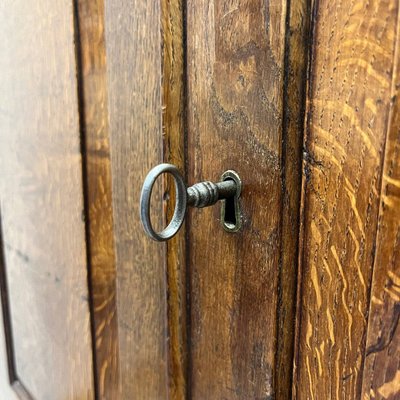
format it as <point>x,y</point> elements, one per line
<point>180,202</point>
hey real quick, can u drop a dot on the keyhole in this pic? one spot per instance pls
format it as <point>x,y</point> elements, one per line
<point>231,217</point>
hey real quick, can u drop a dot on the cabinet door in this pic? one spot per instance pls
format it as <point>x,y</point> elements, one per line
<point>45,339</point>
<point>241,285</point>
<point>209,314</point>
<point>223,87</point>
<point>302,302</point>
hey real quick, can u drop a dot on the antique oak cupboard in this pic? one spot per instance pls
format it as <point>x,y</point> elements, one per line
<point>300,97</point>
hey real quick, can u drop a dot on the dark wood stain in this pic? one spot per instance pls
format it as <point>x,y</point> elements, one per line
<point>173,106</point>
<point>296,58</point>
<point>236,57</point>
<point>96,145</point>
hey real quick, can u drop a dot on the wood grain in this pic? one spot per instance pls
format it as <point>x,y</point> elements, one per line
<point>42,201</point>
<point>235,55</point>
<point>381,374</point>
<point>94,123</point>
<point>173,106</point>
<point>296,57</point>
<point>133,48</point>
<point>348,104</point>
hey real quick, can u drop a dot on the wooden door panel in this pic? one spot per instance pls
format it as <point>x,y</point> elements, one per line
<point>349,99</point>
<point>234,122</point>
<point>381,372</point>
<point>241,66</point>
<point>241,285</point>
<point>208,86</point>
<point>97,170</point>
<point>235,119</point>
<point>133,48</point>
<point>42,208</point>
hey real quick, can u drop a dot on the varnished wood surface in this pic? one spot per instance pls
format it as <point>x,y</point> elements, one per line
<point>245,105</point>
<point>133,49</point>
<point>94,123</point>
<point>173,106</point>
<point>235,56</point>
<point>381,374</point>
<point>349,94</point>
<point>296,57</point>
<point>42,203</point>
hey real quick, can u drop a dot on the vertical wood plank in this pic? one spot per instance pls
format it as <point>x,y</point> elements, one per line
<point>94,123</point>
<point>173,103</point>
<point>296,57</point>
<point>42,200</point>
<point>381,375</point>
<point>133,48</point>
<point>235,55</point>
<point>347,115</point>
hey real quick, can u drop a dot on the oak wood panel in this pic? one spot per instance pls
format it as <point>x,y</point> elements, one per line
<point>296,57</point>
<point>347,105</point>
<point>235,61</point>
<point>173,106</point>
<point>42,200</point>
<point>381,374</point>
<point>94,123</point>
<point>133,48</point>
